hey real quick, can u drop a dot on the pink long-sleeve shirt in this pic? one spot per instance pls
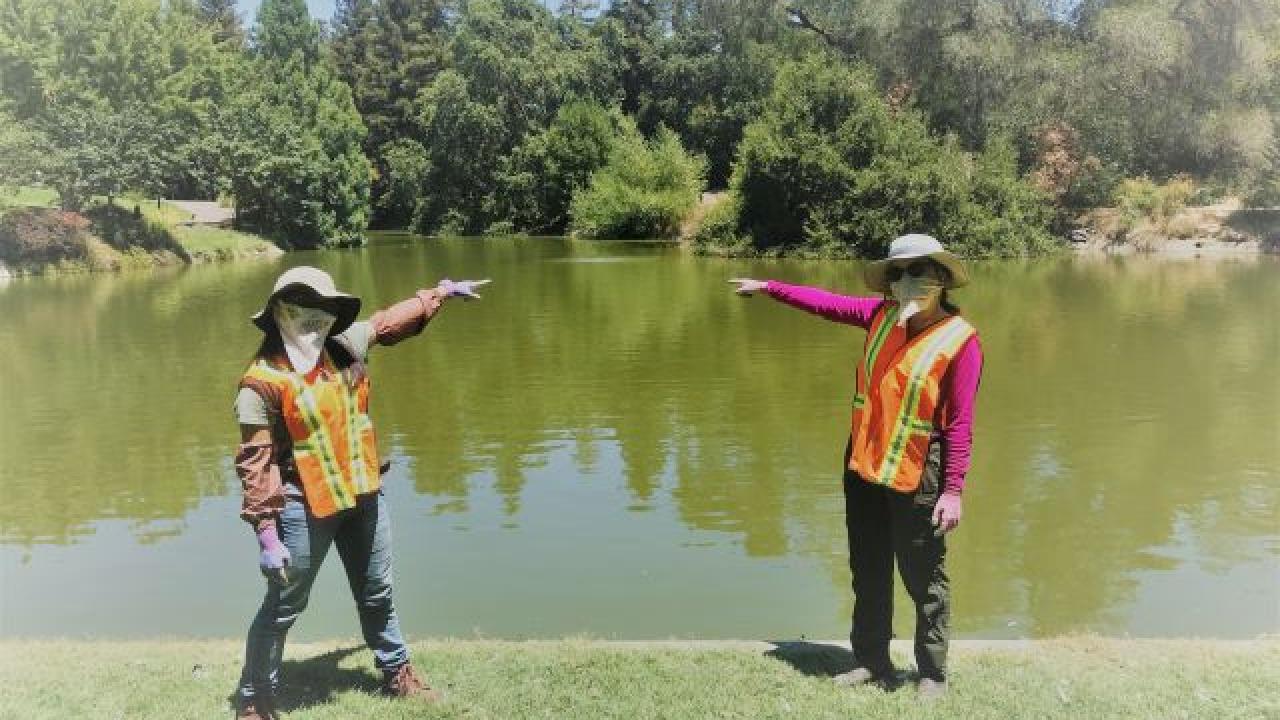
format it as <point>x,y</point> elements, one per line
<point>959,385</point>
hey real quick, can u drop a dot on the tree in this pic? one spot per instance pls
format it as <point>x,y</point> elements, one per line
<point>546,171</point>
<point>28,153</point>
<point>297,170</point>
<point>222,15</point>
<point>705,78</point>
<point>831,166</point>
<point>283,28</point>
<point>136,113</point>
<point>388,52</point>
<point>512,66</point>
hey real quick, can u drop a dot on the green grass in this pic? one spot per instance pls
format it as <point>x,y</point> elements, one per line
<point>27,197</point>
<point>578,679</point>
<point>210,243</point>
<point>166,214</point>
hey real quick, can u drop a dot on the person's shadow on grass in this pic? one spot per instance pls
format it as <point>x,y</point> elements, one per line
<point>814,659</point>
<point>827,661</point>
<point>318,680</point>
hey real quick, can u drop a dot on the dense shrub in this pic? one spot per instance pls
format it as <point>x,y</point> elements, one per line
<point>644,191</point>
<point>546,170</point>
<point>718,231</point>
<point>831,167</point>
<point>1142,199</point>
<point>41,236</point>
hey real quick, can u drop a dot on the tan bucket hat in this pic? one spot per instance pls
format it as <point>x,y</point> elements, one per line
<point>345,307</point>
<point>910,247</point>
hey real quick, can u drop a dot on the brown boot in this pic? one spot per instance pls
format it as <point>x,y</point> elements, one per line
<point>403,682</point>
<point>256,709</point>
<point>860,676</point>
<point>930,689</point>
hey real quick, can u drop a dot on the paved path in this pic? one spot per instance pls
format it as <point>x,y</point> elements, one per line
<point>205,212</point>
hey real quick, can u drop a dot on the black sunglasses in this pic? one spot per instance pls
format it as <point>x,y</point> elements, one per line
<point>915,269</point>
<point>305,297</point>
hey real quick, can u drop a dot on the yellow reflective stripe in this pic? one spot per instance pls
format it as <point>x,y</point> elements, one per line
<point>948,338</point>
<point>888,316</point>
<point>359,472</point>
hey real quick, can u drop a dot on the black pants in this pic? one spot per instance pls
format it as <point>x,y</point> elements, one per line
<point>883,525</point>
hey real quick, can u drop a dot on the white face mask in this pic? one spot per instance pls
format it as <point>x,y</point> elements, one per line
<point>915,294</point>
<point>303,331</point>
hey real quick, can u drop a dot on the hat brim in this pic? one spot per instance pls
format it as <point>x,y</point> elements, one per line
<point>873,272</point>
<point>346,309</point>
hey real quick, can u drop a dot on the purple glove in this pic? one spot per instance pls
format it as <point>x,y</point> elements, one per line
<point>275,556</point>
<point>465,289</point>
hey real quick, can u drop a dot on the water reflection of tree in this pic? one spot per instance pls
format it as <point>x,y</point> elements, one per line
<point>1121,401</point>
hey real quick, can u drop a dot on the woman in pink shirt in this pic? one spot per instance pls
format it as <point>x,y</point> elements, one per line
<point>910,441</point>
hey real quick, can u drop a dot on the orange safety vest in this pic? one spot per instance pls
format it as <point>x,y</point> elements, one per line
<point>326,414</point>
<point>898,385</point>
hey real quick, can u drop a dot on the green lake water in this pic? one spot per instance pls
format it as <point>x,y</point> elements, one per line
<point>612,443</point>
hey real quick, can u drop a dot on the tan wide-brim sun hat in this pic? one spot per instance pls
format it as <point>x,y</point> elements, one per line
<point>910,247</point>
<point>345,307</point>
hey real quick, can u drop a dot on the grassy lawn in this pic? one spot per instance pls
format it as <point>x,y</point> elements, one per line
<point>213,243</point>
<point>578,679</point>
<point>27,197</point>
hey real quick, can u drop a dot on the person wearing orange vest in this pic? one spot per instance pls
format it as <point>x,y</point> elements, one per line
<point>910,439</point>
<point>309,466</point>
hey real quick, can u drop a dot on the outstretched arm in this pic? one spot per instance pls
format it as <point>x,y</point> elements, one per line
<point>408,318</point>
<point>847,309</point>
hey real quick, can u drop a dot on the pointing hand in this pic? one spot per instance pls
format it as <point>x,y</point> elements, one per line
<point>747,287</point>
<point>465,289</point>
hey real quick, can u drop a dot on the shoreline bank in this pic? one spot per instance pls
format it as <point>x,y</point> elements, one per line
<point>37,239</point>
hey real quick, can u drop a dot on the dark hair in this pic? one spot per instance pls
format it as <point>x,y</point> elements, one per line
<point>271,346</point>
<point>947,305</point>
<point>945,302</point>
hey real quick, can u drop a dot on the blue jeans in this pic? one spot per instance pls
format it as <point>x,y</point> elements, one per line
<point>362,535</point>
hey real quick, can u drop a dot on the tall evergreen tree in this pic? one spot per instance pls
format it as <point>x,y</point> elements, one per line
<point>284,27</point>
<point>389,51</point>
<point>222,15</point>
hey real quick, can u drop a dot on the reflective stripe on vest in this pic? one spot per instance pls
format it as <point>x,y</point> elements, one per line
<point>327,418</point>
<point>898,387</point>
